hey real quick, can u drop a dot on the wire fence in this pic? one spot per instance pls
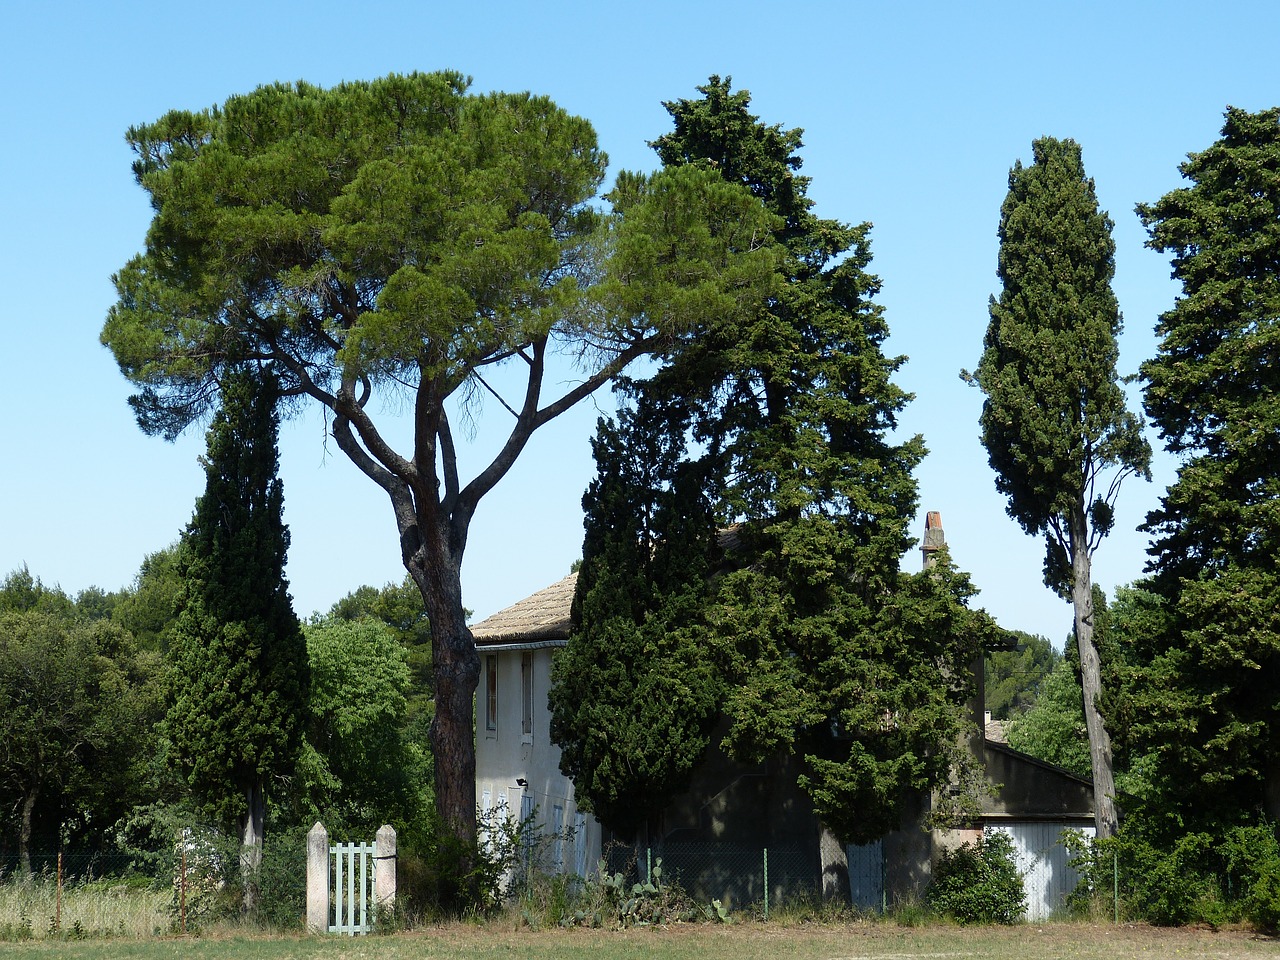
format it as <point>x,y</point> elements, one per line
<point>738,876</point>
<point>77,865</point>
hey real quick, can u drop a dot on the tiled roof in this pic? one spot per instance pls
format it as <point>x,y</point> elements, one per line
<point>543,616</point>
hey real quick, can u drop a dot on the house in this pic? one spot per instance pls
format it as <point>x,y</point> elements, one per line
<point>517,765</point>
<point>741,831</point>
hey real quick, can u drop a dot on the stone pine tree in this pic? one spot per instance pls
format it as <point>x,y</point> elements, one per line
<point>817,633</point>
<point>240,657</point>
<point>1212,668</point>
<point>1054,422</point>
<point>387,246</point>
<point>636,691</point>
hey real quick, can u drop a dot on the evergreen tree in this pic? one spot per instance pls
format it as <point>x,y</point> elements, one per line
<point>820,638</point>
<point>405,234</point>
<point>636,691</point>
<point>1014,677</point>
<point>1212,650</point>
<point>241,672</point>
<point>1054,422</point>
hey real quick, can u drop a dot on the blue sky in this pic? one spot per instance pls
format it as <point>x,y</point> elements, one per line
<point>913,114</point>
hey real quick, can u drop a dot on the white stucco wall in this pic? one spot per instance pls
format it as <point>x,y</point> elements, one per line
<point>506,755</point>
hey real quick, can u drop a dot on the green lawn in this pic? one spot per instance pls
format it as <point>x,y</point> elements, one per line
<point>858,941</point>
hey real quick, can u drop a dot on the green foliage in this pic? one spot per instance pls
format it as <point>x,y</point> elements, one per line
<point>979,882</point>
<point>442,878</point>
<point>357,768</point>
<point>404,234</point>
<point>635,692</point>
<point>21,592</point>
<point>77,704</point>
<point>240,663</point>
<point>1054,422</point>
<point>400,607</point>
<point>1170,875</point>
<point>149,608</point>
<point>1014,678</point>
<point>610,900</point>
<point>1054,729</point>
<point>1209,655</point>
<point>806,625</point>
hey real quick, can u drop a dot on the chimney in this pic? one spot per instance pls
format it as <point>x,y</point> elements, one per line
<point>934,539</point>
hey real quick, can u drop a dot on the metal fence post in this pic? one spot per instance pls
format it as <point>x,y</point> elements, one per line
<point>766,883</point>
<point>1115,872</point>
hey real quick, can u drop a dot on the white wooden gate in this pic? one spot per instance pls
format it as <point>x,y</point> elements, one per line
<point>352,894</point>
<point>348,883</point>
<point>1042,860</point>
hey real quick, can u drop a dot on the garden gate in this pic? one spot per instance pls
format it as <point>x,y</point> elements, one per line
<point>347,883</point>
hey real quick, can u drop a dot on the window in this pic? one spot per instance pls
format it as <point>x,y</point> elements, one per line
<point>526,697</point>
<point>491,693</point>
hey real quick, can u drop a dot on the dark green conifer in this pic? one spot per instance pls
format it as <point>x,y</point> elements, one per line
<point>1054,423</point>
<point>1209,691</point>
<point>240,657</point>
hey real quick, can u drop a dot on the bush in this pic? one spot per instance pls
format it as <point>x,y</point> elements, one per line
<point>979,883</point>
<point>1170,875</point>
<point>1253,874</point>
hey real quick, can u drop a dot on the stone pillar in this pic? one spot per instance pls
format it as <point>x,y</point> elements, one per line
<point>318,879</point>
<point>384,867</point>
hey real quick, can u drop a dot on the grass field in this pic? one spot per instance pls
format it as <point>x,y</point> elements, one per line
<point>747,941</point>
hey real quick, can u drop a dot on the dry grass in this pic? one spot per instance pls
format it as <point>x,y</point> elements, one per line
<point>745,941</point>
<point>29,908</point>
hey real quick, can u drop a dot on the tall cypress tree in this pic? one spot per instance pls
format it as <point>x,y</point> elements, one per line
<point>1054,423</point>
<point>1214,392</point>
<point>241,658</point>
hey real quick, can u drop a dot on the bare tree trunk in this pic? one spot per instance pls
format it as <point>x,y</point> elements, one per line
<point>251,844</point>
<point>24,831</point>
<point>1106,819</point>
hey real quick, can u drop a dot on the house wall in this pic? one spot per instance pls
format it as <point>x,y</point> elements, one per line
<point>507,755</point>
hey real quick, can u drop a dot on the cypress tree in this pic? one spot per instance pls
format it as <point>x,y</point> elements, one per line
<point>1054,423</point>
<point>817,635</point>
<point>240,654</point>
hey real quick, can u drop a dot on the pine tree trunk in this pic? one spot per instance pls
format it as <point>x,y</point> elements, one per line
<point>1104,789</point>
<point>251,844</point>
<point>436,568</point>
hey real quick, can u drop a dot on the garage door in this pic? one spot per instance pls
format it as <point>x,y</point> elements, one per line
<point>1042,860</point>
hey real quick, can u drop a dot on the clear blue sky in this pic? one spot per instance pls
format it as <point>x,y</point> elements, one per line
<point>913,114</point>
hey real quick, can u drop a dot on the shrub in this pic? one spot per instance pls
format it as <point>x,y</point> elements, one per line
<point>1253,873</point>
<point>979,882</point>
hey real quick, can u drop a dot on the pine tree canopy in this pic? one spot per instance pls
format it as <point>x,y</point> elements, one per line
<point>386,246</point>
